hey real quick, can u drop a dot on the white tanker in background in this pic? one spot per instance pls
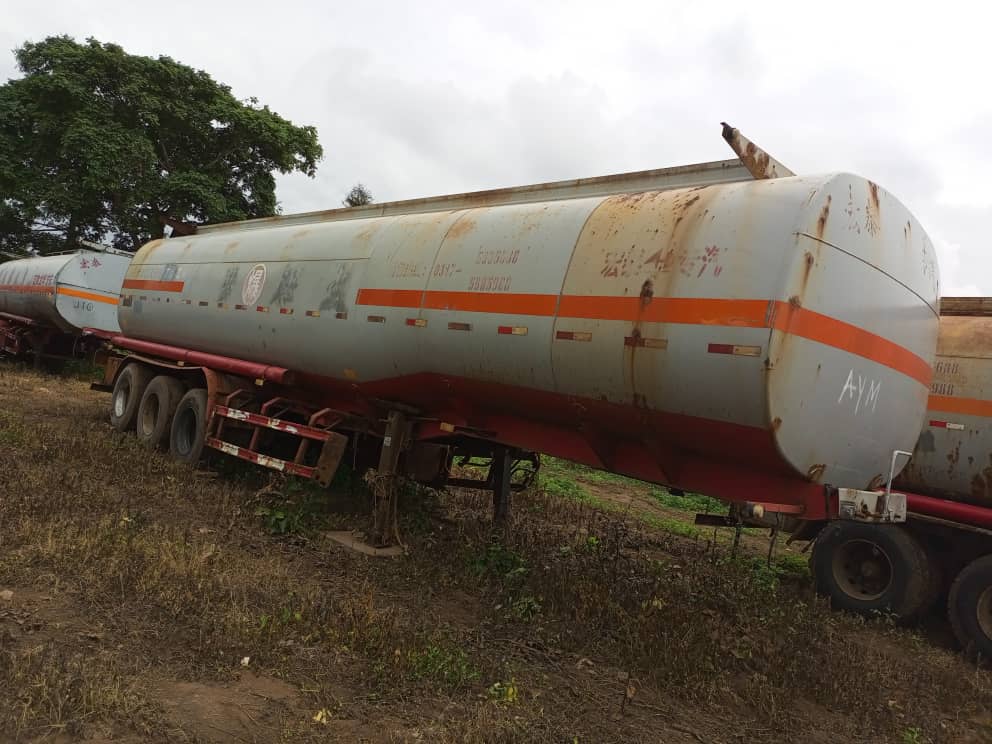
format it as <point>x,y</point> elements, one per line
<point>727,328</point>
<point>47,301</point>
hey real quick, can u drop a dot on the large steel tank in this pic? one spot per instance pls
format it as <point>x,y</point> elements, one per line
<point>953,457</point>
<point>69,292</point>
<point>786,325</point>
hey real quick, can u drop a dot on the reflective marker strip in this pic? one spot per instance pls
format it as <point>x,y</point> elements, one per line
<point>262,309</point>
<point>459,326</point>
<point>648,343</point>
<point>69,291</point>
<point>751,351</point>
<point>185,302</point>
<point>947,425</point>
<point>222,306</point>
<point>203,303</point>
<point>416,322</point>
<point>240,307</point>
<point>775,314</point>
<point>313,313</point>
<point>377,319</point>
<point>285,311</point>
<point>512,330</point>
<point>157,286</point>
<point>573,336</point>
<point>340,316</point>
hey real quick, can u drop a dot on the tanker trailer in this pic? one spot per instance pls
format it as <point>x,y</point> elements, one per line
<point>47,301</point>
<point>947,485</point>
<point>763,341</point>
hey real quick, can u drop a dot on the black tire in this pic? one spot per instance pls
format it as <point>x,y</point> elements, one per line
<point>189,427</point>
<point>129,387</point>
<point>969,607</point>
<point>158,405</point>
<point>871,569</point>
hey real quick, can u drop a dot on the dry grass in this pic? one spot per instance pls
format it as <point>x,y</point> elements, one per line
<point>139,589</point>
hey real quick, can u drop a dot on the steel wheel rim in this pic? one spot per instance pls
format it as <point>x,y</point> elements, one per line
<point>863,570</point>
<point>120,400</point>
<point>149,415</point>
<point>983,612</point>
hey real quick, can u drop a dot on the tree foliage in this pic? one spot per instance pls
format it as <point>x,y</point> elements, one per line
<point>358,196</point>
<point>103,145</point>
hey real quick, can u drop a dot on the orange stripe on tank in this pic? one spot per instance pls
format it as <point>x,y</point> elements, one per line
<point>153,284</point>
<point>773,314</point>
<point>799,321</point>
<point>70,292</point>
<point>966,406</point>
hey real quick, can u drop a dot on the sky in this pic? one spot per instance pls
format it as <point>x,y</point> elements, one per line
<point>437,96</point>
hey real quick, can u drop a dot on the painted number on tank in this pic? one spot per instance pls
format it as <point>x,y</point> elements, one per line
<point>490,283</point>
<point>82,305</point>
<point>860,390</point>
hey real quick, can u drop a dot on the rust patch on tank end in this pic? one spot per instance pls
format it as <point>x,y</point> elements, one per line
<point>776,423</point>
<point>795,301</point>
<point>821,221</point>
<point>815,472</point>
<point>873,213</point>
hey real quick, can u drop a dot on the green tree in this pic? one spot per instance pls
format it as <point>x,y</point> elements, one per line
<point>358,196</point>
<point>103,145</point>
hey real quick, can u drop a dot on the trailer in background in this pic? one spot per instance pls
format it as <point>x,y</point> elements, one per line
<point>47,301</point>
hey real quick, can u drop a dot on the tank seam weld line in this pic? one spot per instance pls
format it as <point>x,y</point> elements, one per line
<point>858,258</point>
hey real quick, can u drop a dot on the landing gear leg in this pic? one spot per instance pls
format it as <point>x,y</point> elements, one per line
<point>501,465</point>
<point>385,528</point>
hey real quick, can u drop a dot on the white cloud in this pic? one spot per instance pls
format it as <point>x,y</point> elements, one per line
<point>442,96</point>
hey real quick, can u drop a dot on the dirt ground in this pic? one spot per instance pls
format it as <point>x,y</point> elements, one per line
<point>141,601</point>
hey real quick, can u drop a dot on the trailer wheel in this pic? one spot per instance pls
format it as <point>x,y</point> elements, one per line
<point>126,398</point>
<point>189,427</point>
<point>867,568</point>
<point>158,406</point>
<point>969,607</point>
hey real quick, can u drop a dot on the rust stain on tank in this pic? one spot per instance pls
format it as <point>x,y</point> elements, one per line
<point>462,226</point>
<point>873,215</point>
<point>821,221</point>
<point>776,423</point>
<point>646,295</point>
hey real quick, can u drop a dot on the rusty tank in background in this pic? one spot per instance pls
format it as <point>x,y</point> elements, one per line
<point>953,457</point>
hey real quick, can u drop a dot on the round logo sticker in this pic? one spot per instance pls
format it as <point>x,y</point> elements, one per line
<point>251,290</point>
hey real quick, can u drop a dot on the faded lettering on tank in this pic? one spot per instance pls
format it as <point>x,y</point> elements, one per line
<point>860,390</point>
<point>334,297</point>
<point>445,270</point>
<point>490,283</point>
<point>407,270</point>
<point>227,286</point>
<point>497,257</point>
<point>286,289</point>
